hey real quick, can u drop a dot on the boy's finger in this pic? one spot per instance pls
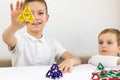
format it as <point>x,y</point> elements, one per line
<point>65,69</point>
<point>17,5</point>
<point>22,5</point>
<point>11,7</point>
<point>70,69</point>
<point>61,68</point>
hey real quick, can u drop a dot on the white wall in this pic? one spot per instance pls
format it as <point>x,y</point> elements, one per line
<point>74,23</point>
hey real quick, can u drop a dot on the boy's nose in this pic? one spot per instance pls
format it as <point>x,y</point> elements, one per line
<point>36,16</point>
<point>104,45</point>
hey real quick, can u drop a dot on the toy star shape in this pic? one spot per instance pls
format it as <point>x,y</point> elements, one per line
<point>26,15</point>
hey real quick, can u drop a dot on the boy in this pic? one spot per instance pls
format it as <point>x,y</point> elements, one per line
<point>33,48</point>
<point>109,48</point>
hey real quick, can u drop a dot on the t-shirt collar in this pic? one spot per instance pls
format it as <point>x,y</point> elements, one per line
<point>32,38</point>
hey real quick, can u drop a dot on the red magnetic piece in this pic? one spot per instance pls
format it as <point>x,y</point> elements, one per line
<point>115,70</point>
<point>104,79</point>
<point>95,75</point>
<point>114,79</point>
<point>103,72</point>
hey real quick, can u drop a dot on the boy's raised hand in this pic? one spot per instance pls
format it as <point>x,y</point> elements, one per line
<point>14,14</point>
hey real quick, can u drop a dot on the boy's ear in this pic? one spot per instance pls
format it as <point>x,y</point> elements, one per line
<point>47,17</point>
<point>119,50</point>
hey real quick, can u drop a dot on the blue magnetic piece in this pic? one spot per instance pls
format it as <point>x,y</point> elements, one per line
<point>56,75</point>
<point>54,72</point>
<point>54,66</point>
<point>60,73</point>
<point>49,73</point>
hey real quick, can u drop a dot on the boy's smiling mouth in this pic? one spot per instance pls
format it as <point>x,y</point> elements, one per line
<point>36,23</point>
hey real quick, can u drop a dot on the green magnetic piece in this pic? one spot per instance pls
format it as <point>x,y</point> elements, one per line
<point>115,77</point>
<point>118,74</point>
<point>103,76</point>
<point>100,66</point>
<point>111,72</point>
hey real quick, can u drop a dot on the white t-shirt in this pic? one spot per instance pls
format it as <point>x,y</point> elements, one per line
<point>30,51</point>
<point>107,61</point>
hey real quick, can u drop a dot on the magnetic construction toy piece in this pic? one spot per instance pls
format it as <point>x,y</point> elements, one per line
<point>100,66</point>
<point>26,15</point>
<point>105,74</point>
<point>54,72</point>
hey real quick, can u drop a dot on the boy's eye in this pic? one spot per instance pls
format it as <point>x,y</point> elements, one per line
<point>41,13</point>
<point>109,42</point>
<point>100,42</point>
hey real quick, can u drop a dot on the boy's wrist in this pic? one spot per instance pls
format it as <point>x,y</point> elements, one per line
<point>13,27</point>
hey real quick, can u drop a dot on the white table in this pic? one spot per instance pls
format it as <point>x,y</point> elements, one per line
<point>80,72</point>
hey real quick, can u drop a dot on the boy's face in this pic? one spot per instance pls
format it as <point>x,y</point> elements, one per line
<point>39,13</point>
<point>108,44</point>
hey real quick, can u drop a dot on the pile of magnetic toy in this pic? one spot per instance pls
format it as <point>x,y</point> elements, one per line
<point>54,72</point>
<point>26,15</point>
<point>103,74</point>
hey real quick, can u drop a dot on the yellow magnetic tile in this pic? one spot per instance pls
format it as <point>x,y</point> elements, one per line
<point>30,19</point>
<point>27,9</point>
<point>26,15</point>
<point>21,18</point>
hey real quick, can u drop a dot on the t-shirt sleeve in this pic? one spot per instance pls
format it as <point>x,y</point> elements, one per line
<point>59,49</point>
<point>107,61</point>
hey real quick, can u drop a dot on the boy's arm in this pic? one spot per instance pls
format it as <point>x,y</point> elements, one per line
<point>107,61</point>
<point>9,36</point>
<point>67,55</point>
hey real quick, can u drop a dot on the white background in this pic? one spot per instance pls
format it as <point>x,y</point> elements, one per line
<point>74,23</point>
